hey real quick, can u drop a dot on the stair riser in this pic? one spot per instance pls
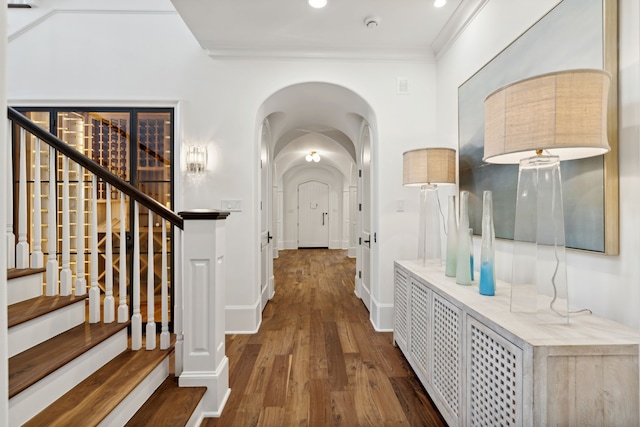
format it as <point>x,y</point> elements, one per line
<point>134,401</point>
<point>40,329</point>
<point>24,288</point>
<point>28,403</point>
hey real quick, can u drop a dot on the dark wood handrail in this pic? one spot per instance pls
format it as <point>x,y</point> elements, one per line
<point>64,148</point>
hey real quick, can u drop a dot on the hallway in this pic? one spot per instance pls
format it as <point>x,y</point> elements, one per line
<point>317,359</point>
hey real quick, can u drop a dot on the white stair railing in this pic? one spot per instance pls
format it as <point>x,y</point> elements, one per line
<point>11,237</point>
<point>94,291</point>
<point>62,277</point>
<point>52,286</point>
<point>81,282</point>
<point>123,308</point>
<point>22,249</point>
<point>37,257</point>
<point>66,276</point>
<point>136,318</point>
<point>109,302</point>
<point>151,322</point>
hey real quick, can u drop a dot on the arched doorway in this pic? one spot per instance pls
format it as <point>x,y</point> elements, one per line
<point>329,119</point>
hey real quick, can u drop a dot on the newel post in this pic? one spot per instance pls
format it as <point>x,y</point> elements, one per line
<point>204,362</point>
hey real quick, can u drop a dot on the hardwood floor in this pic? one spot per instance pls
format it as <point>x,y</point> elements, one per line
<point>317,361</point>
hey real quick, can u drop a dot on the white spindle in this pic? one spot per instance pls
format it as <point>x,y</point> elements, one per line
<point>66,276</point>
<point>123,308</point>
<point>37,257</point>
<point>94,292</point>
<point>81,281</point>
<point>109,303</point>
<point>164,335</point>
<point>136,318</point>
<point>176,302</point>
<point>11,237</point>
<point>22,249</point>
<point>151,321</point>
<point>52,229</point>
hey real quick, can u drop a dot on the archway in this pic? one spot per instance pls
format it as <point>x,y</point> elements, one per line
<point>326,118</point>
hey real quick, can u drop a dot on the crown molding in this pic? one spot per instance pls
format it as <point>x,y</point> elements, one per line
<point>346,54</point>
<point>461,18</point>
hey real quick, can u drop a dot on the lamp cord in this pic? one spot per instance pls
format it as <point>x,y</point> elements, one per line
<point>555,272</point>
<point>444,223</point>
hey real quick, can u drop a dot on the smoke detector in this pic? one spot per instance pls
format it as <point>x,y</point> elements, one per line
<point>371,22</point>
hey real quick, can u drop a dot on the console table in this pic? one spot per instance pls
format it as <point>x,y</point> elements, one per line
<point>483,365</point>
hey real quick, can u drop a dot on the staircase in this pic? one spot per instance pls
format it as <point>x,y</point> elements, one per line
<point>75,357</point>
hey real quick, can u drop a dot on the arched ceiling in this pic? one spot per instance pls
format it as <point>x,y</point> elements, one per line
<point>315,116</point>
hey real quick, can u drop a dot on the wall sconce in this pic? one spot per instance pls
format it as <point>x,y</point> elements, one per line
<point>313,156</point>
<point>196,160</point>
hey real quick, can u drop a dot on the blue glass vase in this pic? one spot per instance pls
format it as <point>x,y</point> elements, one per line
<point>488,249</point>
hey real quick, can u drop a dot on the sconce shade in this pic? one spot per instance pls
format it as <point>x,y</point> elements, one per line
<point>196,160</point>
<point>429,166</point>
<point>563,113</point>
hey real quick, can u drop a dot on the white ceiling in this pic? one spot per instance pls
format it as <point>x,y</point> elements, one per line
<point>407,28</point>
<point>412,30</point>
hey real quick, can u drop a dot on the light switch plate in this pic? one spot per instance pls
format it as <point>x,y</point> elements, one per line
<point>231,205</point>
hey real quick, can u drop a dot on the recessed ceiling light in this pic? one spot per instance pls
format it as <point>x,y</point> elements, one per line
<point>318,4</point>
<point>439,3</point>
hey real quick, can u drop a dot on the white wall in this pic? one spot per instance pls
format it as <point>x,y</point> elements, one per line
<point>103,57</point>
<point>608,285</point>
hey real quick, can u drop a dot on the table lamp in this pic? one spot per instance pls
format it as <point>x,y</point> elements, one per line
<point>427,168</point>
<point>538,122</point>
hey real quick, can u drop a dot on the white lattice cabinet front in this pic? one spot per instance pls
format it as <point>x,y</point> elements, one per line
<point>485,366</point>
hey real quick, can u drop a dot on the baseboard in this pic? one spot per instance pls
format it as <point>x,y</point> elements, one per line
<point>381,316</point>
<point>217,384</point>
<point>243,319</point>
<point>335,244</point>
<point>289,244</point>
<point>351,253</point>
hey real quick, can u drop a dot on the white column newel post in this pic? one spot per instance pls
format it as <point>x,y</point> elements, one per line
<point>22,249</point>
<point>204,359</point>
<point>123,308</point>
<point>94,291</point>
<point>11,237</point>
<point>66,276</point>
<point>52,287</point>
<point>151,291</point>
<point>164,334</point>
<point>37,257</point>
<point>81,281</point>
<point>136,318</point>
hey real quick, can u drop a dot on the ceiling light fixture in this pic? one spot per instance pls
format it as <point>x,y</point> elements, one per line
<point>439,3</point>
<point>318,4</point>
<point>312,156</point>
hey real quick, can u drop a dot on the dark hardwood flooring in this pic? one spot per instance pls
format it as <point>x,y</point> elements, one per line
<point>317,361</point>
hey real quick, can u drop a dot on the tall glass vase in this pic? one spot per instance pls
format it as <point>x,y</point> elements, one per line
<point>488,248</point>
<point>452,238</point>
<point>463,270</point>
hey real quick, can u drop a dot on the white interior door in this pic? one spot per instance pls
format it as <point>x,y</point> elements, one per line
<point>365,220</point>
<point>313,215</point>
<point>266,253</point>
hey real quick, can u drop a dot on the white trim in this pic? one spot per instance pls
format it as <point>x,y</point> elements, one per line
<point>456,25</point>
<point>217,383</point>
<point>382,316</point>
<point>296,54</point>
<point>243,319</point>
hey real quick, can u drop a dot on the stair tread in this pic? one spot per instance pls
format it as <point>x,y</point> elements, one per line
<point>170,405</point>
<point>94,398</point>
<point>13,273</point>
<point>32,365</point>
<point>30,309</point>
